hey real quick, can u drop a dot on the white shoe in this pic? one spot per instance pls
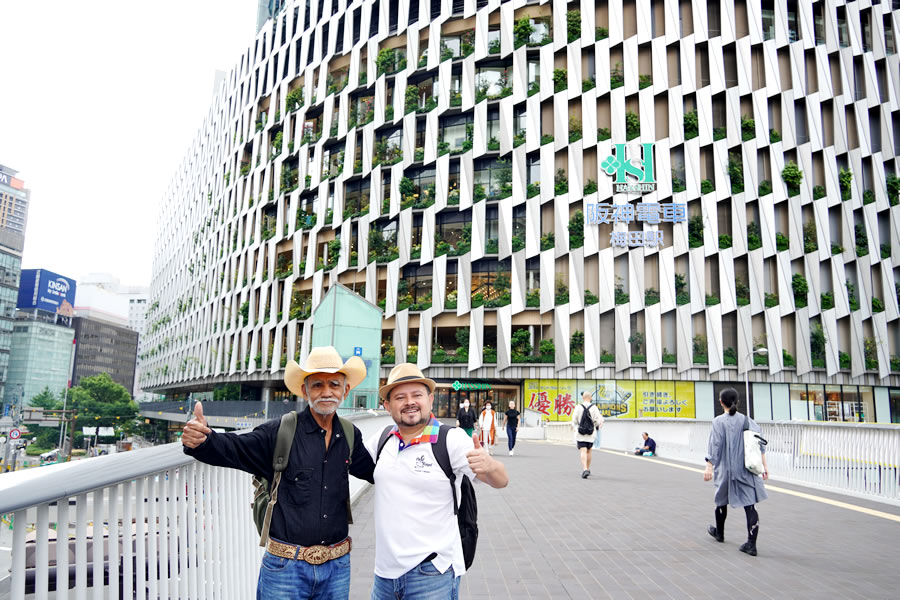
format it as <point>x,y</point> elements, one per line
<point>511,452</point>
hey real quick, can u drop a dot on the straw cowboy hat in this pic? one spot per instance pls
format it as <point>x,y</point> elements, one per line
<point>323,360</point>
<point>404,373</point>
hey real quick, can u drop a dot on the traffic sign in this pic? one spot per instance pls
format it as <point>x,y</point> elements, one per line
<point>15,434</point>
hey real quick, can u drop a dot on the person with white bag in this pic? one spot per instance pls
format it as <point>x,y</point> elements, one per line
<point>736,484</point>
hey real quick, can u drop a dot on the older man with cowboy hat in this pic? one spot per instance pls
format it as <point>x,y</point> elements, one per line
<point>308,550</point>
<point>418,548</point>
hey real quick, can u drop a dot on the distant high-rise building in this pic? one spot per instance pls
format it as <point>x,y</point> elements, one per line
<point>42,335</point>
<point>13,201</point>
<point>104,347</point>
<point>105,297</point>
<point>13,218</point>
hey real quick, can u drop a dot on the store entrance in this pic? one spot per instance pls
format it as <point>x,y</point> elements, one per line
<point>447,400</point>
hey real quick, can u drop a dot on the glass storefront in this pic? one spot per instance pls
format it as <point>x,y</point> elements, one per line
<point>448,400</point>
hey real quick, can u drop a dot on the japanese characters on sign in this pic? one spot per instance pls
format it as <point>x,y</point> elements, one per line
<point>555,399</point>
<point>651,213</point>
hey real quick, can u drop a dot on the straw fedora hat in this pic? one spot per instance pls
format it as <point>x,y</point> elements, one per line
<point>404,373</point>
<point>324,359</point>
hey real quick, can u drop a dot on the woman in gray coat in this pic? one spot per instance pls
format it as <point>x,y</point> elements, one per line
<point>735,485</point>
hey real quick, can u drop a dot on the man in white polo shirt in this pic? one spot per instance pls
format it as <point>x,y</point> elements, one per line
<point>418,550</point>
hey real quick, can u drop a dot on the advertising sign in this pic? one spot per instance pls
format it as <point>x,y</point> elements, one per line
<point>46,290</point>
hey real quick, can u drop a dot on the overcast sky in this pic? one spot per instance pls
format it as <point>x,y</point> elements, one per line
<point>99,102</point>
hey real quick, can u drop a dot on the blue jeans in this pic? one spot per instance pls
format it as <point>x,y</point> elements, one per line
<point>423,582</point>
<point>288,579</point>
<point>511,436</point>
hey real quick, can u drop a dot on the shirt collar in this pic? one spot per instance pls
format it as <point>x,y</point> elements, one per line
<point>308,422</point>
<point>429,434</point>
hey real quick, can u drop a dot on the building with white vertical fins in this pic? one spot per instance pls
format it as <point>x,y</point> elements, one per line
<point>466,165</point>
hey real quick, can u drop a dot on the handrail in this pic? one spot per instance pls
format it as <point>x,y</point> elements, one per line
<point>650,420</point>
<point>30,487</point>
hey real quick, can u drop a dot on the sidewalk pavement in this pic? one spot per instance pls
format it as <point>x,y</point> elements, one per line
<point>637,529</point>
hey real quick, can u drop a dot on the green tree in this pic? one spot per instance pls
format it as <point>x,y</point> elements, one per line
<point>45,400</point>
<point>99,401</point>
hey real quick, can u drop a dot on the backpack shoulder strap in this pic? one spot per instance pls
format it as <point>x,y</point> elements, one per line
<point>382,441</point>
<point>442,456</point>
<point>349,433</point>
<point>284,440</point>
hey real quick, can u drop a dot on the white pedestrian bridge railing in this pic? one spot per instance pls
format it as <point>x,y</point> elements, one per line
<point>151,523</point>
<point>857,459</point>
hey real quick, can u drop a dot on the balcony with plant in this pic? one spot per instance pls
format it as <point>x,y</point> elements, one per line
<point>845,178</point>
<point>387,151</point>
<point>383,244</point>
<point>792,176</point>
<point>682,293</point>
<point>892,187</point>
<point>284,267</point>
<point>294,100</point>
<point>754,237</point>
<point>637,346</point>
<point>576,230</point>
<point>337,80</point>
<point>748,128</point>
<point>862,240</point>
<point>810,237</point>
<point>621,296</point>
<point>290,179</point>
<point>389,61</point>
<point>492,83</point>
<point>700,350</point>
<point>616,77</point>
<point>548,241</point>
<point>691,125</point>
<point>574,129</point>
<point>632,125</point>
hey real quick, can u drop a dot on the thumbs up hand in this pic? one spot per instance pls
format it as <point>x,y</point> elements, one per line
<point>196,430</point>
<point>480,461</point>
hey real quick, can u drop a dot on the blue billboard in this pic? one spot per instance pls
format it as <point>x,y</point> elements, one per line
<point>46,290</point>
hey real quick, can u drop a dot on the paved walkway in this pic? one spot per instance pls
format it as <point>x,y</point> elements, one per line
<point>637,529</point>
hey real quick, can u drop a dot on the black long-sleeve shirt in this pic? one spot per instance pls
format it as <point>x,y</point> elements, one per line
<point>466,418</point>
<point>312,495</point>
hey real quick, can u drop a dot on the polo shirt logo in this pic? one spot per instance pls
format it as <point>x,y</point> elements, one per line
<point>421,464</point>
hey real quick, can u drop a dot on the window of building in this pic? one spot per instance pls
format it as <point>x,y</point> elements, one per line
<point>492,80</point>
<point>490,282</point>
<point>843,32</point>
<point>768,19</point>
<point>449,227</point>
<point>493,175</point>
<point>356,198</point>
<point>454,128</point>
<point>793,25</point>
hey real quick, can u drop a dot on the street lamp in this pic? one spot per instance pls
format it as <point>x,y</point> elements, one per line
<point>761,352</point>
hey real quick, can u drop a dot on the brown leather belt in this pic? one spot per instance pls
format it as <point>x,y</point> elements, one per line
<point>314,555</point>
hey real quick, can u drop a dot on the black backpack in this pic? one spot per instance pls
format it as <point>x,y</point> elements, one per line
<point>586,426</point>
<point>466,508</point>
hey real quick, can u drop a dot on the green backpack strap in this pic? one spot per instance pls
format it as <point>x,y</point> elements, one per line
<point>350,436</point>
<point>283,442</point>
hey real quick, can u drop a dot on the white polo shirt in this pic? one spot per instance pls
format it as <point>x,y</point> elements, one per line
<point>414,505</point>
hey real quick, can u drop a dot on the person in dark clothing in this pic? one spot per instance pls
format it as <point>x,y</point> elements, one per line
<point>649,446</point>
<point>308,550</point>
<point>465,419</point>
<point>512,425</point>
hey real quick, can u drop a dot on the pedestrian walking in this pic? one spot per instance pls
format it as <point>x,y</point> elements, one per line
<point>512,425</point>
<point>735,485</point>
<point>487,425</point>
<point>586,419</point>
<point>307,548</point>
<point>465,418</point>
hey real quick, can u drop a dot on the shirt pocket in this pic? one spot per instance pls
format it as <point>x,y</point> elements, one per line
<point>296,490</point>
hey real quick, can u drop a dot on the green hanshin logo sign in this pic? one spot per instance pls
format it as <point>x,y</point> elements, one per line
<point>632,175</point>
<point>457,385</point>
